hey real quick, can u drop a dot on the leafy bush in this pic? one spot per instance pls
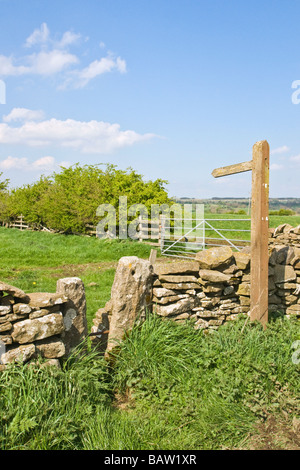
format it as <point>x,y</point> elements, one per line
<point>68,200</point>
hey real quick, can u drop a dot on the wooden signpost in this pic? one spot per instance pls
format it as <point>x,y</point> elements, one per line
<point>259,226</point>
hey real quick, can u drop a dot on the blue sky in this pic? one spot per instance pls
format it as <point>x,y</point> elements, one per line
<point>171,88</point>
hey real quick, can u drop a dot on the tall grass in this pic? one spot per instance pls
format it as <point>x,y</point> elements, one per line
<point>169,387</point>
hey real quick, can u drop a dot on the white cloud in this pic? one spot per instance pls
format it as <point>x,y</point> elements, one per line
<point>7,67</point>
<point>42,63</point>
<point>12,162</point>
<point>68,38</point>
<point>39,36</point>
<point>85,136</point>
<point>276,166</point>
<point>98,67</point>
<point>43,164</point>
<point>54,58</point>
<point>295,158</point>
<point>280,150</point>
<point>23,114</point>
<point>50,63</point>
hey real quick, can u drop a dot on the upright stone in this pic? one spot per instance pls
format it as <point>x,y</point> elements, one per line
<point>74,311</point>
<point>130,296</point>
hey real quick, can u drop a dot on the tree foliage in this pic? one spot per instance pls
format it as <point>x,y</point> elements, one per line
<point>67,200</point>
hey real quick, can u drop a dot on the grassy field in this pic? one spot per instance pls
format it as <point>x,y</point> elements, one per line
<point>170,388</point>
<point>34,261</point>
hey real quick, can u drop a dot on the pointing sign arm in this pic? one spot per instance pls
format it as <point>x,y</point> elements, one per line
<point>232,169</point>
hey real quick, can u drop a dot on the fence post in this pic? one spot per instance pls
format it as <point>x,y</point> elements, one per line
<point>162,232</point>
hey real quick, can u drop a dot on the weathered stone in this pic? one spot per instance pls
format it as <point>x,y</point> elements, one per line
<point>284,273</point>
<point>4,310</point>
<point>181,317</point>
<point>50,348</point>
<point>290,299</point>
<point>244,289</point>
<point>181,286</point>
<point>213,276</point>
<point>5,339</point>
<point>22,309</point>
<point>131,296</point>
<point>14,291</point>
<point>214,258</point>
<point>293,309</point>
<point>283,286</point>
<point>19,354</point>
<point>283,228</point>
<point>244,300</point>
<point>174,309</point>
<point>5,326</point>
<point>44,311</point>
<point>162,292</point>
<point>271,285</point>
<point>177,279</point>
<point>27,331</point>
<point>231,270</point>
<point>213,289</point>
<point>45,299</point>
<point>296,230</point>
<point>167,300</point>
<point>201,324</point>
<point>296,258</point>
<point>182,268</point>
<point>242,260</point>
<point>215,322</point>
<point>228,290</point>
<point>274,299</point>
<point>101,326</point>
<point>242,309</point>
<point>74,311</point>
<point>15,317</point>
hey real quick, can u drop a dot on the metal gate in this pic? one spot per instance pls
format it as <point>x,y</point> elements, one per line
<point>202,234</point>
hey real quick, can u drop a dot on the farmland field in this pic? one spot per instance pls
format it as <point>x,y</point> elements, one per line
<point>171,387</point>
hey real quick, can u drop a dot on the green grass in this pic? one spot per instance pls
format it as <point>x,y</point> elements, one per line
<point>170,388</point>
<point>34,261</point>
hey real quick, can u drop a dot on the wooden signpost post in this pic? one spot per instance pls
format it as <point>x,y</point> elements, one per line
<point>259,226</point>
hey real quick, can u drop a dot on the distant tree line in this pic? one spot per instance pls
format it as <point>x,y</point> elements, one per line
<point>67,200</point>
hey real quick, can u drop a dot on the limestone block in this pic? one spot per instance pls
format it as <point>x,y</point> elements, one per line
<point>182,268</point>
<point>75,321</point>
<point>30,330</point>
<point>131,296</point>
<point>14,291</point>
<point>242,260</point>
<point>284,273</point>
<point>214,258</point>
<point>50,348</point>
<point>213,276</point>
<point>45,299</point>
<point>181,306</point>
<point>19,354</point>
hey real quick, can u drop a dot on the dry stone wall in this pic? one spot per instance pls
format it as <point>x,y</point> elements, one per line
<point>48,325</point>
<point>210,290</point>
<point>215,287</point>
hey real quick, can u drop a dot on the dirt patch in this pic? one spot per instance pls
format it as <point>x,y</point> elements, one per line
<point>123,401</point>
<point>276,433</point>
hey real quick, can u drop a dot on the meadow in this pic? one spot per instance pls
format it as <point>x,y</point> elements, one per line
<point>170,387</point>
